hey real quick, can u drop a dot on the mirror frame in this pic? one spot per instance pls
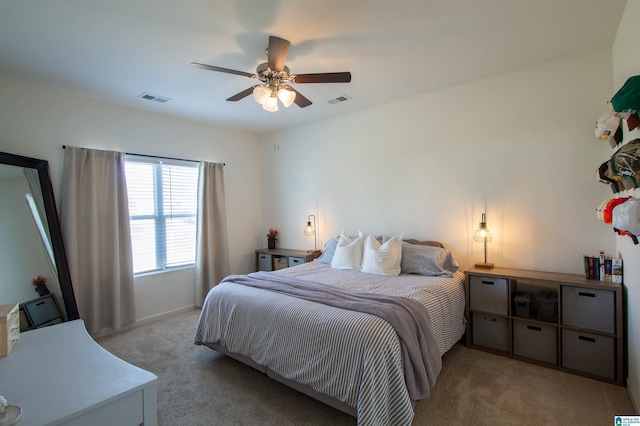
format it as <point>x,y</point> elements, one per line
<point>55,232</point>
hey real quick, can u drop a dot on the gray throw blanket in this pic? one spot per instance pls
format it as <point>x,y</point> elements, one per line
<point>409,318</point>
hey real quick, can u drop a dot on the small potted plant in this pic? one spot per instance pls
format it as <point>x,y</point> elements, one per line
<point>271,238</point>
<point>41,285</point>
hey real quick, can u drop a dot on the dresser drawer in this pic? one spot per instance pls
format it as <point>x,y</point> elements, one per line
<point>535,341</point>
<point>588,308</point>
<point>490,331</point>
<point>264,262</point>
<point>589,353</point>
<point>293,260</point>
<point>489,294</point>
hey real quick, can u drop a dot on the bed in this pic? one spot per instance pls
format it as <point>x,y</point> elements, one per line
<point>355,361</point>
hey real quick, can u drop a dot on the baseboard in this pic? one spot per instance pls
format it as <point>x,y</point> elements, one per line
<point>634,397</point>
<point>143,321</point>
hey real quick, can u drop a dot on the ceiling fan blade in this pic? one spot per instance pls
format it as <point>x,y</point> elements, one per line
<point>300,100</point>
<point>277,53</point>
<point>220,69</point>
<point>326,77</point>
<point>241,95</point>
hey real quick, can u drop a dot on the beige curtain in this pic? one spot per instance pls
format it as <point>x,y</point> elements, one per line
<point>212,249</point>
<point>95,224</point>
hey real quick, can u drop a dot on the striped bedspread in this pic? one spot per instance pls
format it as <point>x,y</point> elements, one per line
<point>351,356</point>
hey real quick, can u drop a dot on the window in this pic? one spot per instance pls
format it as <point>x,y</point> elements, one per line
<point>163,201</point>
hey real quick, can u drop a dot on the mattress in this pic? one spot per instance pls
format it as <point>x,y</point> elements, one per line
<point>352,357</point>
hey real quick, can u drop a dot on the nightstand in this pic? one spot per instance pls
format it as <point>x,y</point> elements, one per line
<point>557,320</point>
<point>274,259</point>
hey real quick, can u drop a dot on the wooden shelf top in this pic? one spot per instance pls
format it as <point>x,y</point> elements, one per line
<point>573,279</point>
<point>289,252</point>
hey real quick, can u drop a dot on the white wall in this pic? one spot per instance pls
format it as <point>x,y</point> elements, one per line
<point>520,146</point>
<point>626,63</point>
<point>37,122</point>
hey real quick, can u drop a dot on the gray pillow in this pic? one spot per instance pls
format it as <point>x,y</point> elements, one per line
<point>328,251</point>
<point>427,260</point>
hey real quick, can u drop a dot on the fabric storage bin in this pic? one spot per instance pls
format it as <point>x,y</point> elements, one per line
<point>535,341</point>
<point>491,332</point>
<point>588,308</point>
<point>280,262</point>
<point>264,262</point>
<point>293,261</point>
<point>589,353</point>
<point>489,294</point>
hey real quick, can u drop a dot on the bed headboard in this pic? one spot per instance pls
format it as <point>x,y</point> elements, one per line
<point>425,243</point>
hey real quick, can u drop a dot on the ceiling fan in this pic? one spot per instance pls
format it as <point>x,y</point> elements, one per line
<point>277,79</point>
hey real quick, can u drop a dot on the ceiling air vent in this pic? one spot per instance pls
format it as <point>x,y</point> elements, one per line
<point>150,97</point>
<point>339,99</point>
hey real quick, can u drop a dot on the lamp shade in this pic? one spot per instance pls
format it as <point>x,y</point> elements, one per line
<point>287,96</point>
<point>261,93</point>
<point>310,229</point>
<point>271,104</point>
<point>483,235</point>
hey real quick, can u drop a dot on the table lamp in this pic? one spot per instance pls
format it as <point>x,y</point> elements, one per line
<point>483,235</point>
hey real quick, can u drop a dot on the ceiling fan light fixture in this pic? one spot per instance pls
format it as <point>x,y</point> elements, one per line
<point>271,104</point>
<point>274,76</point>
<point>286,96</point>
<point>261,93</point>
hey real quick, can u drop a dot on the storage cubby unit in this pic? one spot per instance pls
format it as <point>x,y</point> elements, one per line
<point>274,259</point>
<point>561,321</point>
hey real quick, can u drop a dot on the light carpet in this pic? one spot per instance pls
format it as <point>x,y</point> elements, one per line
<point>199,386</point>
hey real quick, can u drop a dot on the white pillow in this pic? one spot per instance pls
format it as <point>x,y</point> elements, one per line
<point>382,259</point>
<point>348,254</point>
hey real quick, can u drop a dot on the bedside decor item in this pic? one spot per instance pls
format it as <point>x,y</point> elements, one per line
<point>41,285</point>
<point>271,238</point>
<point>310,229</point>
<point>483,235</point>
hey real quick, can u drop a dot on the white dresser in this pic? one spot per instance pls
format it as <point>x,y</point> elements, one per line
<point>60,376</point>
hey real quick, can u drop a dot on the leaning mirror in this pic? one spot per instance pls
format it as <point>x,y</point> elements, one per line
<point>31,246</point>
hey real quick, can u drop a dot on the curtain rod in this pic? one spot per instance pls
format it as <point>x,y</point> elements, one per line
<point>155,156</point>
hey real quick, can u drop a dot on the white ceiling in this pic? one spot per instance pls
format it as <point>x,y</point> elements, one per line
<point>114,50</point>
